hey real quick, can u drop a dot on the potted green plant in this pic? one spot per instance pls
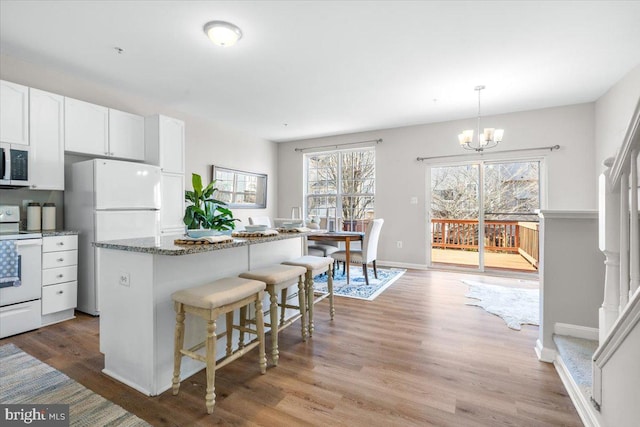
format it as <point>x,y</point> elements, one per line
<point>205,212</point>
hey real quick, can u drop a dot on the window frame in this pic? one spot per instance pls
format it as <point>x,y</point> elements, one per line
<point>338,193</point>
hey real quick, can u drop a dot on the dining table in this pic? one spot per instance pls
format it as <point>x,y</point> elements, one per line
<point>339,236</point>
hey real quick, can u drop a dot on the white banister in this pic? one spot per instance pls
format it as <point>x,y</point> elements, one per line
<point>624,240</point>
<point>634,231</point>
<point>609,244</point>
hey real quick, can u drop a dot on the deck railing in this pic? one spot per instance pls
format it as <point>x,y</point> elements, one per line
<point>499,236</point>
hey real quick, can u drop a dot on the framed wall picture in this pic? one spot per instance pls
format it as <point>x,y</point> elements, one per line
<point>240,189</point>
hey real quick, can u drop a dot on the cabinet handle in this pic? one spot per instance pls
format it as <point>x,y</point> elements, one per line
<point>60,259</point>
<point>60,276</point>
<point>60,292</point>
<point>60,243</point>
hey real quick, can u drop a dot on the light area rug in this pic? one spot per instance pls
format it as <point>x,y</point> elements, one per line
<point>357,287</point>
<point>516,306</point>
<point>26,380</point>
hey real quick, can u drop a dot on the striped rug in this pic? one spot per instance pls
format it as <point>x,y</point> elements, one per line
<point>26,380</point>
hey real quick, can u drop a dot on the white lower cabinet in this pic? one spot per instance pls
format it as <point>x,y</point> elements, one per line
<point>59,297</point>
<point>59,278</point>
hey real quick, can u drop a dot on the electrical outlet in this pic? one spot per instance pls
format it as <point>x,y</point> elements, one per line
<point>399,244</point>
<point>125,279</point>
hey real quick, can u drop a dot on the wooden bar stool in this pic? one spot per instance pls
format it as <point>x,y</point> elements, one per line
<point>315,265</point>
<point>208,302</point>
<point>278,279</point>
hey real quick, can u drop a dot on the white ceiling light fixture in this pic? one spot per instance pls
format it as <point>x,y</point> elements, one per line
<point>222,33</point>
<point>490,138</point>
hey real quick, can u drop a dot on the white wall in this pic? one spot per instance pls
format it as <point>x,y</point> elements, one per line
<point>207,142</point>
<point>613,112</point>
<point>571,273</point>
<point>571,171</point>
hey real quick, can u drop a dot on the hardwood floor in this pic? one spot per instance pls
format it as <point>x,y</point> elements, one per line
<point>415,356</point>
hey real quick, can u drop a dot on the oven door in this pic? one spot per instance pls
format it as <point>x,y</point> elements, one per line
<point>30,252</point>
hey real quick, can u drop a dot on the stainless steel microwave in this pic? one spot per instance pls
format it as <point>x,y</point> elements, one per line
<point>14,165</point>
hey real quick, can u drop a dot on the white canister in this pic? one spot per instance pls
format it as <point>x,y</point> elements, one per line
<point>34,214</point>
<point>49,216</point>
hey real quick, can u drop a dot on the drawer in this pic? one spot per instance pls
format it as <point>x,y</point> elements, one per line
<point>51,276</point>
<point>59,243</point>
<point>18,318</point>
<point>59,259</point>
<point>59,297</point>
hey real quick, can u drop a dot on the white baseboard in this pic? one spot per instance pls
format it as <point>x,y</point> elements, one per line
<point>580,402</point>
<point>547,355</point>
<point>576,331</point>
<point>401,265</point>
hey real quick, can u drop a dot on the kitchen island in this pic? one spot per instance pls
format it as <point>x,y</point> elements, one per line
<point>136,278</point>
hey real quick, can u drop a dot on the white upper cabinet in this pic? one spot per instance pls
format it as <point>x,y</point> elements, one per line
<point>165,144</point>
<point>14,113</point>
<point>86,128</point>
<point>100,131</point>
<point>46,128</point>
<point>126,135</point>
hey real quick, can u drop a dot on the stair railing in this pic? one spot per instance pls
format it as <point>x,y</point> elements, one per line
<point>619,241</point>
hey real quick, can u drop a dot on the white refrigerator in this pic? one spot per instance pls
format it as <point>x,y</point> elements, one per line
<point>108,200</point>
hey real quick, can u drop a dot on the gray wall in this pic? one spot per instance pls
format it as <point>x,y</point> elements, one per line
<point>207,141</point>
<point>572,274</point>
<point>570,171</point>
<point>613,112</point>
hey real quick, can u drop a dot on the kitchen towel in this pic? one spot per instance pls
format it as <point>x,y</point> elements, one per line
<point>9,264</point>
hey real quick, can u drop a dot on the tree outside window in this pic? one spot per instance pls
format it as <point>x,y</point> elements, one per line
<point>341,184</point>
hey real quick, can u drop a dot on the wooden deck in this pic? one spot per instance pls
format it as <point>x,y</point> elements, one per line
<point>492,260</point>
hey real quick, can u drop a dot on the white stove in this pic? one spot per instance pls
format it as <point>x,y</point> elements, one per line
<point>20,308</point>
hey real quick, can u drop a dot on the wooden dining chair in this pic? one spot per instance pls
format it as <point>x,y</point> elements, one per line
<point>369,251</point>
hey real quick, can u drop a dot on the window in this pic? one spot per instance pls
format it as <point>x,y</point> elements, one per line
<point>240,189</point>
<point>341,184</point>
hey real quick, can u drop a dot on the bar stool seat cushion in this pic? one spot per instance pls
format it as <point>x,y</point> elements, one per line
<point>275,274</point>
<point>311,262</point>
<point>216,294</point>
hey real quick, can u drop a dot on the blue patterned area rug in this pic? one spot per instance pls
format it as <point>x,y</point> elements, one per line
<point>516,306</point>
<point>357,287</point>
<point>25,380</point>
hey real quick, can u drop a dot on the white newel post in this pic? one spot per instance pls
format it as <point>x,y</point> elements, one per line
<point>634,247</point>
<point>609,244</point>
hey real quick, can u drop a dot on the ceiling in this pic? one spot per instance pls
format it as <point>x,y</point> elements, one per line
<point>315,68</point>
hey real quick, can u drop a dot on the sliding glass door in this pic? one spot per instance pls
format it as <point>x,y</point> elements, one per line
<point>455,209</point>
<point>483,215</point>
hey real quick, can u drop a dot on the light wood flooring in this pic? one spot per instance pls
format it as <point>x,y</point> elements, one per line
<point>416,356</point>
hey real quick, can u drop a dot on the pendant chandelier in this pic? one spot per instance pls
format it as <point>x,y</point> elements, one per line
<point>490,138</point>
